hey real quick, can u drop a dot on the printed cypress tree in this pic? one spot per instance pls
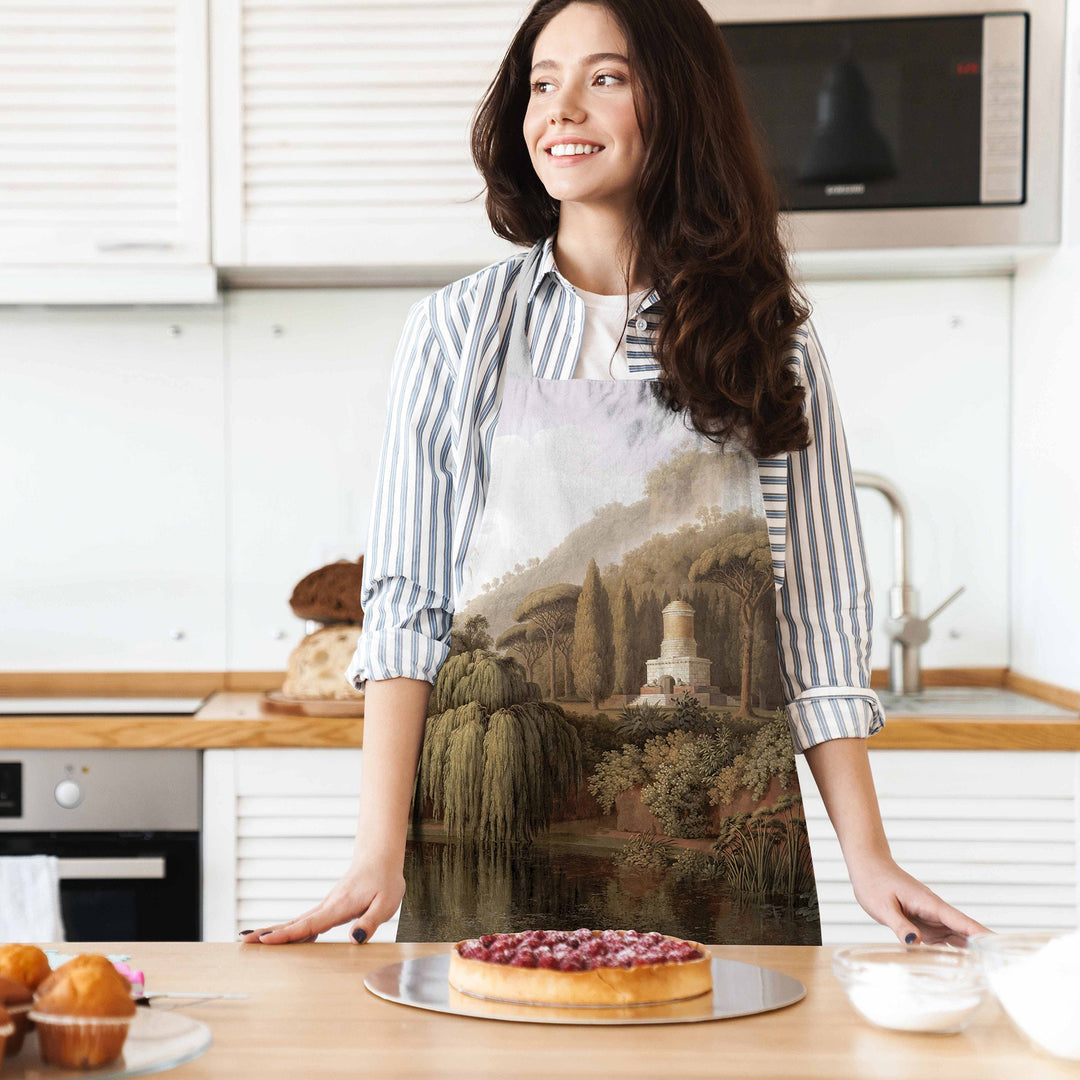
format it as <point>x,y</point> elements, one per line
<point>651,624</point>
<point>629,671</point>
<point>593,656</point>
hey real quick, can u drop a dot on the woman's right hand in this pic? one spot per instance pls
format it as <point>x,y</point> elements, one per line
<point>368,893</point>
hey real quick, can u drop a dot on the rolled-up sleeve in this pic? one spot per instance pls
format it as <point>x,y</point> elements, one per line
<point>406,592</point>
<point>825,605</point>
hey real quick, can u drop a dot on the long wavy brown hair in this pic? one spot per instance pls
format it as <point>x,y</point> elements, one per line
<point>705,226</point>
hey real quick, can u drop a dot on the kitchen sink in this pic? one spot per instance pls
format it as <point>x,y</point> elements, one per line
<point>974,701</point>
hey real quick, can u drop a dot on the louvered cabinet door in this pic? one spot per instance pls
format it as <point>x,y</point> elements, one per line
<point>104,143</point>
<point>994,833</point>
<point>279,827</point>
<point>341,130</point>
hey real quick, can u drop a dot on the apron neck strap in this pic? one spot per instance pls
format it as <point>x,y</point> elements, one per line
<point>518,354</point>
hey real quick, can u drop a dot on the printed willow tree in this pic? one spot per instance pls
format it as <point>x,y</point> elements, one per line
<point>497,759</point>
<point>594,640</point>
<point>742,564</point>
<point>552,609</point>
<point>526,639</point>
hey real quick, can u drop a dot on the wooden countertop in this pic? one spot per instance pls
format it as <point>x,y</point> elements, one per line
<point>309,1015</point>
<point>236,718</point>
<point>228,719</point>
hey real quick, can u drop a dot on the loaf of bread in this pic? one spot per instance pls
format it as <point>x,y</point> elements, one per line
<point>317,665</point>
<point>331,594</point>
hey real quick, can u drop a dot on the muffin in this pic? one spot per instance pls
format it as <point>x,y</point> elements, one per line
<point>7,1029</point>
<point>15,1000</point>
<point>24,963</point>
<point>83,1011</point>
<point>101,965</point>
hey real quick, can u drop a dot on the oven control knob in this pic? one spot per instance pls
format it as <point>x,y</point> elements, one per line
<point>68,794</point>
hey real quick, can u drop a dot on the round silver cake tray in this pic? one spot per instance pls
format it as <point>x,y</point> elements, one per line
<point>738,990</point>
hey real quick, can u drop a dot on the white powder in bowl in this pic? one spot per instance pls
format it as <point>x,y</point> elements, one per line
<point>906,999</point>
<point>1041,992</point>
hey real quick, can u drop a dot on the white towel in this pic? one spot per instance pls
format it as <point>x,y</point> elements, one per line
<point>30,898</point>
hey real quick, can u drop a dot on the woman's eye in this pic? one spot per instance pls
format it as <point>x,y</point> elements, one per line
<point>617,78</point>
<point>536,85</point>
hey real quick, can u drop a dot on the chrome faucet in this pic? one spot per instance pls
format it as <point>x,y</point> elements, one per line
<point>907,631</point>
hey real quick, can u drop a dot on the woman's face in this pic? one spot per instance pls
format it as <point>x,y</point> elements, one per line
<point>581,95</point>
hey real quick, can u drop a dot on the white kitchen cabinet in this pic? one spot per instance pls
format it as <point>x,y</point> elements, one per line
<point>341,128</point>
<point>105,152</point>
<point>992,832</point>
<point>278,831</point>
<point>307,381</point>
<point>114,490</point>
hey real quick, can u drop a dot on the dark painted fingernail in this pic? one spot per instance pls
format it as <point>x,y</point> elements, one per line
<point>910,939</point>
<point>243,932</point>
<point>359,934</point>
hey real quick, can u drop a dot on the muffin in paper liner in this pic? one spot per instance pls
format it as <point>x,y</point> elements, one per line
<point>26,964</point>
<point>16,999</point>
<point>20,1023</point>
<point>7,1029</point>
<point>80,1042</point>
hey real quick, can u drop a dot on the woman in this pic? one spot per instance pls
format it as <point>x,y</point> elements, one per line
<point>641,392</point>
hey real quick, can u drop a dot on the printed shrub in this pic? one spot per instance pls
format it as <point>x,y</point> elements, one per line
<point>618,770</point>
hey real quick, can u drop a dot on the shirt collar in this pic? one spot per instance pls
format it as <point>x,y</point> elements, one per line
<point>547,266</point>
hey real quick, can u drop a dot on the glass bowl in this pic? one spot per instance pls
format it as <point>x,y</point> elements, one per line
<point>928,988</point>
<point>1035,974</point>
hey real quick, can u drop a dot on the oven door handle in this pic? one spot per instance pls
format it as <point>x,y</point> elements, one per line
<point>112,869</point>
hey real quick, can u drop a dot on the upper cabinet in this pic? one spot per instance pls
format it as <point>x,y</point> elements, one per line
<point>341,133</point>
<point>104,156</point>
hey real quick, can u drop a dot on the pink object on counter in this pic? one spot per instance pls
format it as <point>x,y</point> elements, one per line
<point>136,978</point>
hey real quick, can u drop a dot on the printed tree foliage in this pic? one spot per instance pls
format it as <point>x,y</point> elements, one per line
<point>651,631</point>
<point>552,610</point>
<point>742,564</point>
<point>768,690</point>
<point>593,656</point>
<point>528,640</point>
<point>629,670</point>
<point>566,648</point>
<point>472,634</point>
<point>496,759</point>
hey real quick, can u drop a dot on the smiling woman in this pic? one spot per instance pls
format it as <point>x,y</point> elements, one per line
<point>559,546</point>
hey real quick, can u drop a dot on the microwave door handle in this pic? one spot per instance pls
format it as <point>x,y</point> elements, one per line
<point>151,868</point>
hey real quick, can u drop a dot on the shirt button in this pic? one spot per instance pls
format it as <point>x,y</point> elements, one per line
<point>641,324</point>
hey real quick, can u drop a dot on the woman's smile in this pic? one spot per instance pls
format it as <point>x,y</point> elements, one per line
<point>581,111</point>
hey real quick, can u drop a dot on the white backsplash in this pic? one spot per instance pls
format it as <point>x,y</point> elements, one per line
<point>164,480</point>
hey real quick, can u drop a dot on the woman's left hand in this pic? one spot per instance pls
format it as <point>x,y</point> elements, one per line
<point>901,902</point>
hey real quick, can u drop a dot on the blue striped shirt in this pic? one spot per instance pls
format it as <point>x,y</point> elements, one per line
<point>433,478</point>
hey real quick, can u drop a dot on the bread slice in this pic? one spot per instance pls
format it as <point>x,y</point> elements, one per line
<point>317,665</point>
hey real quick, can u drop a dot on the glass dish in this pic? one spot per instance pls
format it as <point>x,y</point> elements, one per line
<point>925,988</point>
<point>1035,974</point>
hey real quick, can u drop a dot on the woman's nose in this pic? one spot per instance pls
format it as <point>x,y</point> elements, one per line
<point>565,108</point>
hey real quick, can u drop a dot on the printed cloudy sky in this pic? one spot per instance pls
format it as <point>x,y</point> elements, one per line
<point>576,445</point>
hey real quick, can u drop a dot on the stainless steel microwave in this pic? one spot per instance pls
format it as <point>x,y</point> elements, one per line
<point>893,124</point>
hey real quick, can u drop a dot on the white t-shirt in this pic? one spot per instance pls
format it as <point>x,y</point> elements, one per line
<point>605,328</point>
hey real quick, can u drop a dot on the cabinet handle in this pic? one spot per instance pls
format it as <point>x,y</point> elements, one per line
<point>111,869</point>
<point>135,245</point>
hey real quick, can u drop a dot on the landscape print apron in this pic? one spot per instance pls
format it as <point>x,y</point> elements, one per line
<point>606,744</point>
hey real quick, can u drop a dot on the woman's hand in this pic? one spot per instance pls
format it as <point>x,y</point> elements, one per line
<point>369,894</point>
<point>901,902</point>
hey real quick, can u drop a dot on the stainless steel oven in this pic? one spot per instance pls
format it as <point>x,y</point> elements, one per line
<point>124,825</point>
